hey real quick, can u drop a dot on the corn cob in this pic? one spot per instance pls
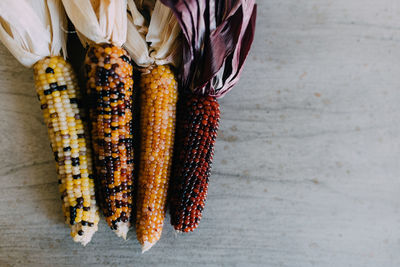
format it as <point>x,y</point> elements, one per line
<point>197,131</point>
<point>157,125</point>
<point>214,51</point>
<point>56,86</point>
<point>110,87</point>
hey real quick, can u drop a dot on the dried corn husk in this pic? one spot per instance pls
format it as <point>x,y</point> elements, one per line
<point>156,42</point>
<point>98,21</point>
<point>32,30</point>
<point>217,38</point>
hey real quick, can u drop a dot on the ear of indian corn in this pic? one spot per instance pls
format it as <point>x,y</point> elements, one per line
<point>214,51</point>
<point>154,44</point>
<point>157,125</point>
<point>58,92</point>
<point>110,88</point>
<point>194,154</point>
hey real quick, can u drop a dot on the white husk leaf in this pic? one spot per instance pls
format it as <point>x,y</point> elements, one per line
<point>32,29</point>
<point>136,18</point>
<point>159,43</point>
<point>135,39</point>
<point>98,21</point>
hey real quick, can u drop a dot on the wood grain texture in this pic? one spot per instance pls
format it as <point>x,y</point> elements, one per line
<point>306,168</point>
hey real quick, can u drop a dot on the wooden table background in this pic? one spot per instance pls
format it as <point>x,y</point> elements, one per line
<point>306,167</point>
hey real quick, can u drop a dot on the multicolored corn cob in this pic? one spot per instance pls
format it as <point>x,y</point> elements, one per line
<point>159,92</point>
<point>198,127</point>
<point>110,88</point>
<point>58,92</point>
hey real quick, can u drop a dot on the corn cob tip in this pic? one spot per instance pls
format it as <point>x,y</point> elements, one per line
<point>147,245</point>
<point>87,235</point>
<point>122,229</point>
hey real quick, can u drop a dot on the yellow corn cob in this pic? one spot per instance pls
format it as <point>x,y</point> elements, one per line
<point>57,89</point>
<point>158,111</point>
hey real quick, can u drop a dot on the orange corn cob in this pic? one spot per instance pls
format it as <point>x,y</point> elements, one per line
<point>159,92</point>
<point>110,88</point>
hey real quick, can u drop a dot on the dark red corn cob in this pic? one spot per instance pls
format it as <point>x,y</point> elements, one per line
<point>197,130</point>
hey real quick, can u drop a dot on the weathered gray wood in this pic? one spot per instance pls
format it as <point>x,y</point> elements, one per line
<point>306,168</point>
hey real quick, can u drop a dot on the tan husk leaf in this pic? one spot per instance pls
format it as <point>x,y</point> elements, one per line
<point>145,4</point>
<point>98,21</point>
<point>135,39</point>
<point>32,30</point>
<point>157,44</point>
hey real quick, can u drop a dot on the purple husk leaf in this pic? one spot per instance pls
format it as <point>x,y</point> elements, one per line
<point>217,38</point>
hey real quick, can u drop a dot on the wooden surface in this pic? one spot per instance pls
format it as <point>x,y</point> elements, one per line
<point>306,167</point>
